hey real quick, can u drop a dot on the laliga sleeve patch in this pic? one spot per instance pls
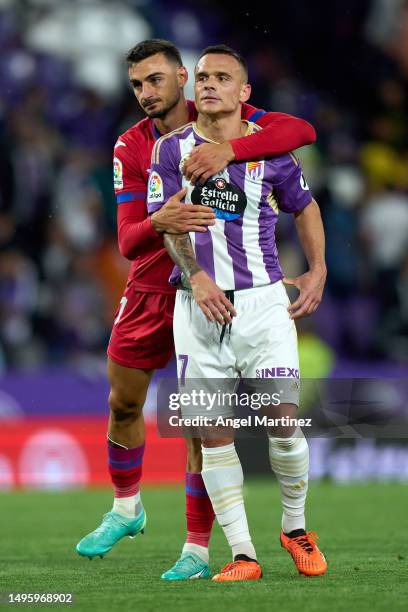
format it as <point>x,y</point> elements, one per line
<point>303,183</point>
<point>117,173</point>
<point>228,201</point>
<point>155,192</point>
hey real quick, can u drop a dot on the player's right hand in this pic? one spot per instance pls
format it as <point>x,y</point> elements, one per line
<point>211,299</point>
<point>174,217</point>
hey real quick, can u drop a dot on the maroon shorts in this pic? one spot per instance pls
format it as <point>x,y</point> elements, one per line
<point>142,334</point>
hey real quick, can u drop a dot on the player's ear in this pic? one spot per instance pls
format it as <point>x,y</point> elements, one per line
<point>245,92</point>
<point>182,76</point>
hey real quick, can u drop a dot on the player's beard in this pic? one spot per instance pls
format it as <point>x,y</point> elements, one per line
<point>160,114</point>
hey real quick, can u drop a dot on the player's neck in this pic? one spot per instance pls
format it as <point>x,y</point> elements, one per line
<point>175,118</point>
<point>221,128</point>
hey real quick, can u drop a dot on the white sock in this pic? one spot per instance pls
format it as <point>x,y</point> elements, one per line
<point>289,459</point>
<point>130,507</point>
<point>224,479</point>
<point>201,551</point>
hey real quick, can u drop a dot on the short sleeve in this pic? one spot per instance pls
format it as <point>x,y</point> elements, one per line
<point>165,176</point>
<point>292,191</point>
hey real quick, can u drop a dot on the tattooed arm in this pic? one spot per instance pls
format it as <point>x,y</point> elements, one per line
<point>209,297</point>
<point>180,249</point>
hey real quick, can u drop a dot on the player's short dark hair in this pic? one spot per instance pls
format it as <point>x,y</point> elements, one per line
<point>150,47</point>
<point>225,50</point>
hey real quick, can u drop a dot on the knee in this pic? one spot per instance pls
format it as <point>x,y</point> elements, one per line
<point>216,442</point>
<point>123,407</point>
<point>289,456</point>
<point>293,446</point>
<point>283,444</point>
<point>194,455</point>
<point>288,443</point>
<point>286,426</point>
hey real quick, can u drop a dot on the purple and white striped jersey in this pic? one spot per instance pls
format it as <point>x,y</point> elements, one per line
<point>239,251</point>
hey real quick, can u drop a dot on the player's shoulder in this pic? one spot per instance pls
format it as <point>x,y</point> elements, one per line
<point>288,160</point>
<point>138,133</point>
<point>282,168</point>
<point>169,142</point>
<point>176,134</point>
<point>283,164</point>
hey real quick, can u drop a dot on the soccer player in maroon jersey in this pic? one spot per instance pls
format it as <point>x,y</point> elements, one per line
<point>142,337</point>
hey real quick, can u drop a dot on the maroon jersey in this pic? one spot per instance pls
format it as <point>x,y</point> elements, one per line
<point>151,265</point>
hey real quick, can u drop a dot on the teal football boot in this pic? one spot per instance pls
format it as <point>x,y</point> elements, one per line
<point>113,528</point>
<point>188,567</point>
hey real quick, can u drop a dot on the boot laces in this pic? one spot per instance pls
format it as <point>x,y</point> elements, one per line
<point>306,542</point>
<point>230,566</point>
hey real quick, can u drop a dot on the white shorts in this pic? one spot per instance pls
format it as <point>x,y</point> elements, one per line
<point>260,348</point>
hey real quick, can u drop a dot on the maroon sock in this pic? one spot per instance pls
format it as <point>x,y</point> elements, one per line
<point>125,468</point>
<point>199,511</point>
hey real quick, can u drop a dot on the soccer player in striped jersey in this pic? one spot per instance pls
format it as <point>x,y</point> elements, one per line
<point>142,337</point>
<point>230,272</point>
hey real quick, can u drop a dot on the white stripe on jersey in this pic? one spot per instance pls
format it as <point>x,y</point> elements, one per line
<point>224,271</point>
<point>223,267</point>
<point>186,146</point>
<point>250,229</point>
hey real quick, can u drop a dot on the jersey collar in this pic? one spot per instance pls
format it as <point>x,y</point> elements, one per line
<point>155,131</point>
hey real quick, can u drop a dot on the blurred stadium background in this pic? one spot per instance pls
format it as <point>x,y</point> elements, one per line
<point>64,98</point>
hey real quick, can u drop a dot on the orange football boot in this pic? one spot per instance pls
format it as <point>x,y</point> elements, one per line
<point>305,553</point>
<point>239,570</point>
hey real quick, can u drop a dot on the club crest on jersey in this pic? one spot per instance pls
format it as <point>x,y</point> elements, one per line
<point>255,170</point>
<point>228,201</point>
<point>117,173</point>
<point>155,189</point>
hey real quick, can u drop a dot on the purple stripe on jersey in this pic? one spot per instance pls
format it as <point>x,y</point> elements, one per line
<point>151,208</point>
<point>235,239</point>
<point>267,221</point>
<point>204,252</point>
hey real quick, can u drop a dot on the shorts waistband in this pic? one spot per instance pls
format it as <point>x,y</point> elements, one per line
<point>243,292</point>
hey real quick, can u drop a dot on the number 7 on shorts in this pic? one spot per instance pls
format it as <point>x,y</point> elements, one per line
<point>184,361</point>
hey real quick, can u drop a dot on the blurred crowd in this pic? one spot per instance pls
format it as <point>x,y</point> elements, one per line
<point>64,100</point>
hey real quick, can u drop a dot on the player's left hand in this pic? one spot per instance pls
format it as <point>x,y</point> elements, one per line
<point>311,286</point>
<point>206,160</point>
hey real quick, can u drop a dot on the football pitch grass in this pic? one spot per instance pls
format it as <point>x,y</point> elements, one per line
<point>362,529</point>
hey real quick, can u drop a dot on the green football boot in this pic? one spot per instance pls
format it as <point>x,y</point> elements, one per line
<point>188,567</point>
<point>113,528</point>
